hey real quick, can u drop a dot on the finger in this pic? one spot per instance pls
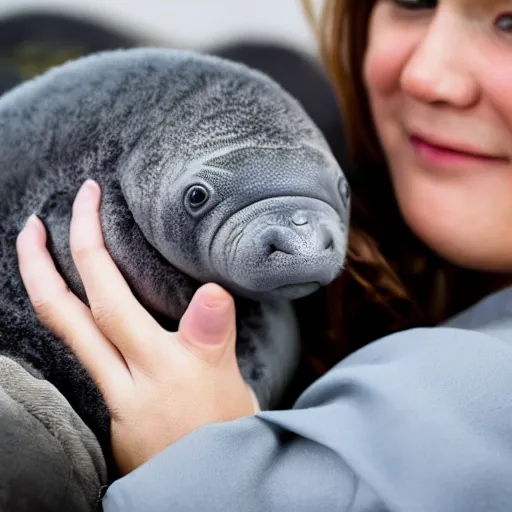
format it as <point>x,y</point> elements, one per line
<point>116,311</point>
<point>208,327</point>
<point>62,312</point>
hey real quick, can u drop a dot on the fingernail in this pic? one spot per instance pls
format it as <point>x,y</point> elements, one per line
<point>32,224</point>
<point>31,221</point>
<point>87,191</point>
<point>213,301</point>
<point>31,230</point>
<point>208,318</point>
<point>213,317</point>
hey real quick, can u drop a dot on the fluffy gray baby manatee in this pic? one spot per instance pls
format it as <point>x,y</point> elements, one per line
<point>210,172</point>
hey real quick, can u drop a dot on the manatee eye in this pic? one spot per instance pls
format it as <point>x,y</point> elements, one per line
<point>344,189</point>
<point>197,196</point>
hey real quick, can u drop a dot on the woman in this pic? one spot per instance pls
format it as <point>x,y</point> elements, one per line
<point>420,420</point>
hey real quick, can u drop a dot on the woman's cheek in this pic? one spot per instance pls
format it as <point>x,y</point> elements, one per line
<point>388,48</point>
<point>381,70</point>
<point>496,77</point>
<point>390,45</point>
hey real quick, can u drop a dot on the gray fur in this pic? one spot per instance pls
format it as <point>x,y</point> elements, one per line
<point>147,124</point>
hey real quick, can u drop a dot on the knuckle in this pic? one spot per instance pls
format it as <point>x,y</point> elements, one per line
<point>31,280</point>
<point>47,306</point>
<point>88,255</point>
<point>44,310</point>
<point>82,252</point>
<point>105,314</point>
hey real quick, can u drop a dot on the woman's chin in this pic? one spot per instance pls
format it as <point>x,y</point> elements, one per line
<point>468,225</point>
<point>468,247</point>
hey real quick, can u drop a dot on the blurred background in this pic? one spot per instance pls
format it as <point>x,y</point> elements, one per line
<point>273,36</point>
<point>191,23</point>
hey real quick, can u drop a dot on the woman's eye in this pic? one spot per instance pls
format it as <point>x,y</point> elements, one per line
<point>505,22</point>
<point>416,4</point>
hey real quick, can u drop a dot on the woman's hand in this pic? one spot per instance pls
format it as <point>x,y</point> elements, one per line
<point>158,385</point>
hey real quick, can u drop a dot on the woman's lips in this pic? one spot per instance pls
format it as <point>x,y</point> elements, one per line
<point>435,155</point>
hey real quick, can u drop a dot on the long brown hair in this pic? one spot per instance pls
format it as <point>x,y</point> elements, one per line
<point>392,281</point>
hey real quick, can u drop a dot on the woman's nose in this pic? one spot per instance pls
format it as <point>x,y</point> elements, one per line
<point>439,68</point>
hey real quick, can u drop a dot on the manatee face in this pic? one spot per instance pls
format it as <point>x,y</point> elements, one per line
<point>263,222</point>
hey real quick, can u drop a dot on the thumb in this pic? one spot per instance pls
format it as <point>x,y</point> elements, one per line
<point>208,326</point>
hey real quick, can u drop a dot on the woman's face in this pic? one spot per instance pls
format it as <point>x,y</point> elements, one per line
<point>439,79</point>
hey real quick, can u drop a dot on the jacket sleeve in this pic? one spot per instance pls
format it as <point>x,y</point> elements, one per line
<point>417,421</point>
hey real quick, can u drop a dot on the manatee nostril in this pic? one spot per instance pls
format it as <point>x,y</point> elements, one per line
<point>278,241</point>
<point>272,249</point>
<point>329,244</point>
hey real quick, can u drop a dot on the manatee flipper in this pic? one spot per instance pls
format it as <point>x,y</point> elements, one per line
<point>268,348</point>
<point>50,458</point>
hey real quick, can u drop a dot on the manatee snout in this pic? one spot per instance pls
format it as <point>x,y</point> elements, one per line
<point>302,232</point>
<point>282,249</point>
<point>300,254</point>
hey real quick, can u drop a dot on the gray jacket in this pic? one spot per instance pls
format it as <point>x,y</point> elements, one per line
<point>419,421</point>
